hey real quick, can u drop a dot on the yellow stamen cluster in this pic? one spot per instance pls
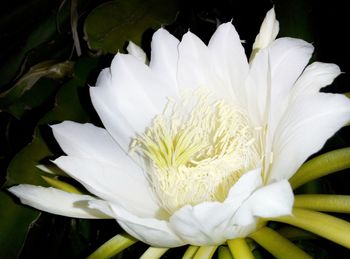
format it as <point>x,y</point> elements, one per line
<point>196,150</point>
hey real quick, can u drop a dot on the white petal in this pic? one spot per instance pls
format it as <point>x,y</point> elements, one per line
<point>118,184</point>
<point>194,65</point>
<point>268,31</point>
<point>288,58</point>
<point>129,97</point>
<point>138,87</point>
<point>230,62</point>
<point>273,200</point>
<point>257,88</point>
<point>314,77</point>
<point>89,141</point>
<point>211,222</point>
<point>104,101</point>
<point>148,230</point>
<point>204,224</point>
<point>309,121</point>
<point>56,201</point>
<point>243,188</point>
<point>102,206</point>
<point>164,56</point>
<point>136,51</point>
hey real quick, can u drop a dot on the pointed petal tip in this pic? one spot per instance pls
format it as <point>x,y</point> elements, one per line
<point>136,51</point>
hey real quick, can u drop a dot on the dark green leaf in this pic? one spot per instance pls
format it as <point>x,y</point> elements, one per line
<point>10,99</point>
<point>16,219</point>
<point>111,24</point>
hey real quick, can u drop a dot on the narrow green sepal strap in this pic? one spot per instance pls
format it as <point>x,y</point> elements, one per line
<point>277,245</point>
<point>322,165</point>
<point>329,227</point>
<point>61,185</point>
<point>323,202</point>
<point>240,249</point>
<point>224,253</point>
<point>113,246</point>
<point>153,253</point>
<point>205,252</point>
<point>190,252</point>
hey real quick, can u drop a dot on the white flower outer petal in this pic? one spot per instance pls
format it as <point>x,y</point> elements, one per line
<point>152,231</point>
<point>164,58</point>
<point>212,222</point>
<point>307,124</point>
<point>230,63</point>
<point>287,59</point>
<point>195,69</point>
<point>88,141</point>
<point>136,51</point>
<point>273,200</point>
<point>268,31</point>
<point>104,101</point>
<point>112,183</point>
<point>57,202</point>
<point>314,77</point>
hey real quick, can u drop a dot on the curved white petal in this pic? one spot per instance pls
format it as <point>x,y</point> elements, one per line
<point>194,65</point>
<point>287,59</point>
<point>203,224</point>
<point>247,184</point>
<point>164,57</point>
<point>136,51</point>
<point>118,184</point>
<point>57,202</point>
<point>257,86</point>
<point>88,141</point>
<point>268,31</point>
<point>104,101</point>
<point>273,200</point>
<point>229,62</point>
<point>138,87</point>
<point>102,206</point>
<point>128,96</point>
<point>211,222</point>
<point>152,231</point>
<point>309,121</point>
<point>314,77</point>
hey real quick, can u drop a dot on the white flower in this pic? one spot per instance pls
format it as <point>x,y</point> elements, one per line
<point>199,144</point>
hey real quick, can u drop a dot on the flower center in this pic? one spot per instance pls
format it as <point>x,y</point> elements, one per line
<point>196,150</point>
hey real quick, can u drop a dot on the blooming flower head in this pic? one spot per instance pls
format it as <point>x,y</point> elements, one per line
<point>198,144</point>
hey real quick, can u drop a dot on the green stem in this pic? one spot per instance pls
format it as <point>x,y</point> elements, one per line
<point>153,253</point>
<point>240,249</point>
<point>190,252</point>
<point>205,252</point>
<point>322,165</point>
<point>277,245</point>
<point>113,246</point>
<point>323,202</point>
<point>224,253</point>
<point>332,228</point>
